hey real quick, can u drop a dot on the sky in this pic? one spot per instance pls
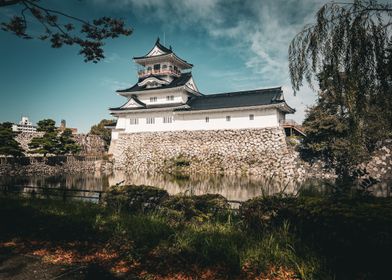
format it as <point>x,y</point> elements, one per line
<point>233,44</point>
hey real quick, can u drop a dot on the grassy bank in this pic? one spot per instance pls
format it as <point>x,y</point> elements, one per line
<point>179,237</point>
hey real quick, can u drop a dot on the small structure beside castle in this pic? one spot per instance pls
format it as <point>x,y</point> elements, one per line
<point>166,117</point>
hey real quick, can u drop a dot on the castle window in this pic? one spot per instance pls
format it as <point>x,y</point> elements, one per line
<point>153,99</point>
<point>150,120</point>
<point>164,67</point>
<point>157,67</point>
<point>207,119</point>
<point>168,119</point>
<point>170,97</point>
<point>228,118</point>
<point>134,121</point>
<point>149,69</point>
<point>251,117</point>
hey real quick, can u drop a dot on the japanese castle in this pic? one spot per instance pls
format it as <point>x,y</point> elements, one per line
<point>166,98</point>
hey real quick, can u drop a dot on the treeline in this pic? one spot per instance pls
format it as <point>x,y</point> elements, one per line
<point>54,141</point>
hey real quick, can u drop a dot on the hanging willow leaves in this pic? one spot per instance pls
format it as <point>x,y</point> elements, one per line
<point>348,52</point>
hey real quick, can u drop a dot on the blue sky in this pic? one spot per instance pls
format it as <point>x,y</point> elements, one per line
<point>233,44</point>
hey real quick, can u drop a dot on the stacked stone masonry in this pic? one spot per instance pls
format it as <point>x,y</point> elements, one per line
<point>246,151</point>
<point>89,144</point>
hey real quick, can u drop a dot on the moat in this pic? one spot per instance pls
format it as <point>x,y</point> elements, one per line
<point>232,187</point>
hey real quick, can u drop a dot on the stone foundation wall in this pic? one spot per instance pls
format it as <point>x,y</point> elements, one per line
<point>380,165</point>
<point>246,151</point>
<point>90,144</point>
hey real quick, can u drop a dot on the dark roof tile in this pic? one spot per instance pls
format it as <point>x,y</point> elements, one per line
<point>180,81</point>
<point>236,99</point>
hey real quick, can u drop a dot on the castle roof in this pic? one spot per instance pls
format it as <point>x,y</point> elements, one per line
<point>176,82</point>
<point>249,98</point>
<point>269,96</point>
<point>159,51</point>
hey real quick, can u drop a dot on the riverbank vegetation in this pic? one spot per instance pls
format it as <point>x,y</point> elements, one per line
<point>346,54</point>
<point>143,232</point>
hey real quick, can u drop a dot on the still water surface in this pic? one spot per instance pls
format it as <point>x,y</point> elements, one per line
<point>232,187</point>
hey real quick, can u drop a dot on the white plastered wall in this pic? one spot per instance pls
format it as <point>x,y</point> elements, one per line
<point>239,119</point>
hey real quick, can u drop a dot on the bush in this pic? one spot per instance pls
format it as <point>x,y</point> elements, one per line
<point>199,208</point>
<point>134,198</point>
<point>351,233</point>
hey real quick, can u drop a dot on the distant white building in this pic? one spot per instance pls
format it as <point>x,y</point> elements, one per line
<point>24,126</point>
<point>166,98</point>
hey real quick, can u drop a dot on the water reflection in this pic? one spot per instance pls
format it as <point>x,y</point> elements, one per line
<point>54,186</point>
<point>232,187</point>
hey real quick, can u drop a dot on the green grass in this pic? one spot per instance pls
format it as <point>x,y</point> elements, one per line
<point>209,244</point>
<point>312,237</point>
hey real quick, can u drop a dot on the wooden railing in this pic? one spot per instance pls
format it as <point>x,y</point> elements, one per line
<point>291,124</point>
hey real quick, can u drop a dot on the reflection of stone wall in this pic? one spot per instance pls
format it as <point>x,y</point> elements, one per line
<point>230,186</point>
<point>52,165</point>
<point>246,151</point>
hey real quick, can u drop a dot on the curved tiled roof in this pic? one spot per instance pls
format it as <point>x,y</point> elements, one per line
<point>237,99</point>
<point>160,46</point>
<point>180,81</point>
<point>165,51</point>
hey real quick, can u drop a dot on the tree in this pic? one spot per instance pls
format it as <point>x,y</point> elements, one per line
<point>8,145</point>
<point>53,142</point>
<point>47,144</point>
<point>67,144</point>
<point>103,132</point>
<point>349,52</point>
<point>46,125</point>
<point>90,36</point>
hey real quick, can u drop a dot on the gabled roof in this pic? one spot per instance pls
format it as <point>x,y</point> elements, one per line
<point>247,98</point>
<point>162,51</point>
<point>176,82</point>
<point>161,47</point>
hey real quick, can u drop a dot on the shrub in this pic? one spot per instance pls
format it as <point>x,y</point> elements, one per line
<point>134,198</point>
<point>198,208</point>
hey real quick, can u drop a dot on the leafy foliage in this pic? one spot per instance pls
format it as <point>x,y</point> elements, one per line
<point>8,145</point>
<point>53,141</point>
<point>89,38</point>
<point>46,125</point>
<point>103,132</point>
<point>67,144</point>
<point>354,234</point>
<point>349,52</point>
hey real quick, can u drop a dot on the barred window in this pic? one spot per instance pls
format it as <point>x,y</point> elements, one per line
<point>150,120</point>
<point>228,118</point>
<point>134,121</point>
<point>207,119</point>
<point>170,97</point>
<point>251,117</point>
<point>153,99</point>
<point>168,119</point>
